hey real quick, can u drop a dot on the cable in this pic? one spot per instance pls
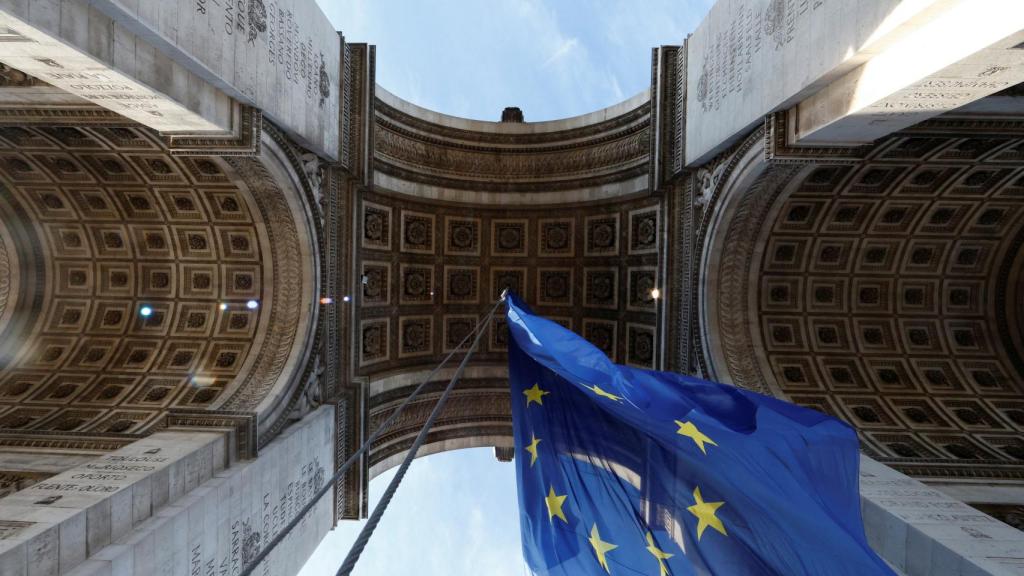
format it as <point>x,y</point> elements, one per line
<point>266,550</point>
<point>378,512</point>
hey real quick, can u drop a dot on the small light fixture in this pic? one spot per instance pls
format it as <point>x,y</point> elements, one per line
<point>655,293</point>
<point>145,311</point>
<point>345,298</point>
<point>223,306</point>
<point>252,304</point>
<point>327,300</point>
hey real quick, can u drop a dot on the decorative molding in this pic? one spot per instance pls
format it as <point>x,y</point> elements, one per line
<point>244,141</point>
<point>285,311</point>
<point>778,148</point>
<point>319,193</point>
<point>242,425</point>
<point>85,116</point>
<point>705,189</point>
<point>417,150</point>
<point>668,112</point>
<point>48,440</point>
<point>349,430</point>
<point>13,78</point>
<point>357,105</point>
<point>534,251</point>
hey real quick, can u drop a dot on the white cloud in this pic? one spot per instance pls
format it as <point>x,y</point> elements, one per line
<point>567,45</point>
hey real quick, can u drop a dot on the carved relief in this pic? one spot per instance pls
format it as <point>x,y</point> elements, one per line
<point>640,345</point>
<point>416,336</point>
<point>529,251</point>
<point>602,235</point>
<point>508,237</point>
<point>456,328</point>
<point>512,279</point>
<point>642,283</point>
<point>462,236</point>
<point>461,284</point>
<point>555,287</point>
<point>417,232</point>
<point>417,285</point>
<point>376,226</point>
<point>601,288</point>
<point>643,231</point>
<point>556,237</point>
<point>416,150</point>
<point>374,338</point>
<point>376,281</point>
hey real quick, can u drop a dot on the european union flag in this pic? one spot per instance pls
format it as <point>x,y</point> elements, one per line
<point>628,471</point>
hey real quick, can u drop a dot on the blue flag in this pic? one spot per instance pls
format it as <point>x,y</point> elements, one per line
<point>625,471</point>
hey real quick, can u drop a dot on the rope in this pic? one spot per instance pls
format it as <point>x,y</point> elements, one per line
<point>251,567</point>
<point>378,512</point>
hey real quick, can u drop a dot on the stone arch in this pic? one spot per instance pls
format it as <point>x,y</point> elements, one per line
<point>476,415</point>
<point>110,221</point>
<point>877,291</point>
<point>560,211</point>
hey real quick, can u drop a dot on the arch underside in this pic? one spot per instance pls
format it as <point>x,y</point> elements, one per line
<point>559,212</point>
<point>107,221</point>
<point>882,291</point>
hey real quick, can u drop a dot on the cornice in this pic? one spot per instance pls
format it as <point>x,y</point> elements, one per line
<point>530,159</point>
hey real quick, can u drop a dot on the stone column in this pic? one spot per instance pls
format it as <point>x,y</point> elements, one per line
<point>922,531</point>
<point>54,525</point>
<point>168,504</point>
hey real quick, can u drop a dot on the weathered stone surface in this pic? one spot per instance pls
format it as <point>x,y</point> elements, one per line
<point>887,61</point>
<point>76,47</point>
<point>921,531</point>
<point>281,56</point>
<point>183,66</point>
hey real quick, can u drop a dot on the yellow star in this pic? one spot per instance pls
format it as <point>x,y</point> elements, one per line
<point>689,430</point>
<point>535,394</point>
<point>601,548</point>
<point>597,390</point>
<point>659,554</point>
<point>554,503</point>
<point>532,449</point>
<point>705,512</point>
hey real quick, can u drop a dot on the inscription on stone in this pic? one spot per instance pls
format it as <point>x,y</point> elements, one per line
<point>289,47</point>
<point>728,66</point>
<point>11,528</point>
<point>248,535</point>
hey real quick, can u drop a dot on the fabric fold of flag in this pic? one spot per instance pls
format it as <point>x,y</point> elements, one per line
<point>629,471</point>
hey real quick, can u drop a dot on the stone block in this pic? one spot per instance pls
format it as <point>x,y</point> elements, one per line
<point>43,552</point>
<point>120,557</point>
<point>13,560</point>
<point>73,541</point>
<point>142,500</point>
<point>98,525</point>
<point>121,514</point>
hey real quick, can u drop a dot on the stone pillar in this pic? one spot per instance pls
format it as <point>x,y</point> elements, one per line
<point>922,531</point>
<point>848,72</point>
<point>168,504</point>
<point>53,526</point>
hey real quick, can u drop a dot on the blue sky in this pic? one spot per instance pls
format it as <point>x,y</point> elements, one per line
<point>456,513</point>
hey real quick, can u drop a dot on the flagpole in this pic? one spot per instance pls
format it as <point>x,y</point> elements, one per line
<point>266,550</point>
<point>378,512</point>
